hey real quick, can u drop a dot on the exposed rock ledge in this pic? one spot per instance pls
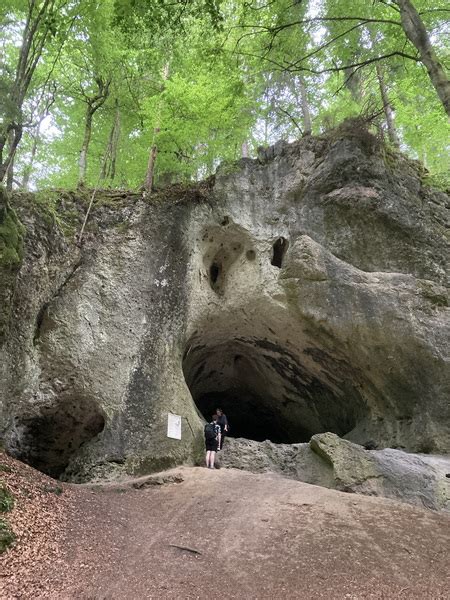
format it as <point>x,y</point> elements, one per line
<point>334,463</point>
<point>304,291</point>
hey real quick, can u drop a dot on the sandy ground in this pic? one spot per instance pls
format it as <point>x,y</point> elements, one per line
<point>246,536</point>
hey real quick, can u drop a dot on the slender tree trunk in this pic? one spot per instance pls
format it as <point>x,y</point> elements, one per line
<point>35,33</point>
<point>307,124</point>
<point>149,177</point>
<point>115,142</point>
<point>244,149</point>
<point>109,159</point>
<point>10,171</point>
<point>418,36</point>
<point>29,168</point>
<point>353,83</point>
<point>387,107</point>
<point>14,136</point>
<point>151,163</point>
<point>82,162</point>
<point>93,103</point>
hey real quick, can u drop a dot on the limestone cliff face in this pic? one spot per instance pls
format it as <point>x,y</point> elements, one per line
<point>303,291</point>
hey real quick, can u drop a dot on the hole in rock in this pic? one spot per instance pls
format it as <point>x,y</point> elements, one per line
<point>48,441</point>
<point>250,254</point>
<point>220,264</point>
<point>268,393</point>
<point>278,252</point>
<point>214,272</point>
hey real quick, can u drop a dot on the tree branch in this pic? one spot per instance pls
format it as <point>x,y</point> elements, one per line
<point>291,117</point>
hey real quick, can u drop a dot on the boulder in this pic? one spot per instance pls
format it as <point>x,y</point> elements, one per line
<point>332,462</point>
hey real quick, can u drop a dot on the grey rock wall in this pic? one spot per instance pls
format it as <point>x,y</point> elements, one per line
<point>304,291</point>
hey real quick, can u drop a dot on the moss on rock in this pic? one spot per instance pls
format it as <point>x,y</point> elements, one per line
<point>11,236</point>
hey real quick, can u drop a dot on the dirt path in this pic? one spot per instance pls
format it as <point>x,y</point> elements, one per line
<point>258,536</point>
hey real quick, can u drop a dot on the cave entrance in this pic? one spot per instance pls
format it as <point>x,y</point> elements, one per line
<point>267,392</point>
<point>48,441</point>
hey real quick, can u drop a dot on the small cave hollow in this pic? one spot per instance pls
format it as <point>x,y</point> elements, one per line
<point>48,441</point>
<point>279,249</point>
<point>214,272</point>
<point>221,263</point>
<point>267,393</point>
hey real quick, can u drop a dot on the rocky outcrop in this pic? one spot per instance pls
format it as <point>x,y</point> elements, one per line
<point>338,464</point>
<point>303,291</point>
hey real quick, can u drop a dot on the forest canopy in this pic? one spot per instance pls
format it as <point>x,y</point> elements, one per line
<point>130,93</point>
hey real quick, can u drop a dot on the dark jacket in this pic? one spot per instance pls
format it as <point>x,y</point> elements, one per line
<point>222,421</point>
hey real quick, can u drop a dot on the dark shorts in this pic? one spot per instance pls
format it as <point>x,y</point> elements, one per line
<point>211,445</point>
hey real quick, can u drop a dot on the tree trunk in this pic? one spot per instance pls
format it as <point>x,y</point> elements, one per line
<point>82,162</point>
<point>115,142</point>
<point>93,103</point>
<point>29,168</point>
<point>36,30</point>
<point>109,160</point>
<point>151,164</point>
<point>387,107</point>
<point>14,136</point>
<point>244,149</point>
<point>149,177</point>
<point>353,83</point>
<point>10,171</point>
<point>418,36</point>
<point>307,125</point>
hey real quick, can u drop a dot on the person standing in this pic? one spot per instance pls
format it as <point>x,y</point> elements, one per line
<point>212,441</point>
<point>223,423</point>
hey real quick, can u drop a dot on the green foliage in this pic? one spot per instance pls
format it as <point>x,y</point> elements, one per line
<point>6,499</point>
<point>7,536</point>
<point>439,181</point>
<point>201,80</point>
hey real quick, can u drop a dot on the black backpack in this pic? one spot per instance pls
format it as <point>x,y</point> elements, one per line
<point>210,432</point>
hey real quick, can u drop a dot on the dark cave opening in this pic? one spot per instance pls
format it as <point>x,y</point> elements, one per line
<point>267,393</point>
<point>278,251</point>
<point>48,441</point>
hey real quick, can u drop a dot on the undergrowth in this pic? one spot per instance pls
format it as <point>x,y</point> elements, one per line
<point>7,536</point>
<point>6,499</point>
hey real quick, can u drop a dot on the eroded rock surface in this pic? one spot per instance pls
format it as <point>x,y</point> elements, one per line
<point>338,464</point>
<point>303,291</point>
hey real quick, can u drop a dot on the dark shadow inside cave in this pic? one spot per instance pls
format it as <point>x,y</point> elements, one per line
<point>278,251</point>
<point>214,272</point>
<point>268,393</point>
<point>48,441</point>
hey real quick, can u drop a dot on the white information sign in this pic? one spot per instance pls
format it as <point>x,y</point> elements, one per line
<point>174,426</point>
